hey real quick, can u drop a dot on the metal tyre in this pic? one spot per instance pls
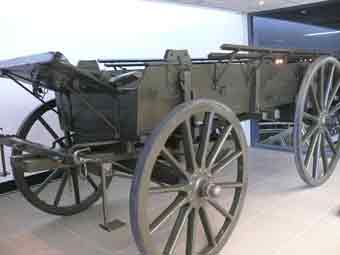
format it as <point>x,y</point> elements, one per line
<point>316,127</point>
<point>207,198</point>
<point>49,196</point>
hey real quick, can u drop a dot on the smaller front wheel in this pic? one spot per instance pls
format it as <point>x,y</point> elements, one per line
<point>190,181</point>
<point>62,191</point>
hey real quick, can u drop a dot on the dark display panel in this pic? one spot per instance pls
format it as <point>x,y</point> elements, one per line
<point>275,33</point>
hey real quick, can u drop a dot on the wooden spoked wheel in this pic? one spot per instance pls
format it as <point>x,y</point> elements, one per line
<point>62,191</point>
<point>196,212</point>
<point>317,149</point>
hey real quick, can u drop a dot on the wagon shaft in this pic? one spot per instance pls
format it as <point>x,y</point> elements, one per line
<point>25,145</point>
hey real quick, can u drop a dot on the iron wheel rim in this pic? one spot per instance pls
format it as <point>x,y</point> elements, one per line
<point>139,192</point>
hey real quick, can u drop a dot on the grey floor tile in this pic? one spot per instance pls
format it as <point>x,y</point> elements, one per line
<point>281,216</point>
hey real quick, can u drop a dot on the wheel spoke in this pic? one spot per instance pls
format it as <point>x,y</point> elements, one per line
<point>61,188</point>
<point>309,116</point>
<point>314,100</point>
<point>167,213</point>
<point>223,155</point>
<point>205,139</point>
<point>316,157</point>
<point>51,131</point>
<point>333,95</point>
<point>191,232</point>
<point>220,209</point>
<point>329,140</point>
<point>311,131</point>
<point>229,185</point>
<point>225,162</point>
<point>174,162</point>
<point>334,109</point>
<point>323,154</point>
<point>47,181</point>
<point>75,182</point>
<point>170,189</point>
<point>207,226</point>
<point>218,145</point>
<point>189,149</point>
<point>310,151</point>
<point>321,88</point>
<point>176,230</point>
<point>92,182</point>
<point>329,85</point>
<point>335,157</point>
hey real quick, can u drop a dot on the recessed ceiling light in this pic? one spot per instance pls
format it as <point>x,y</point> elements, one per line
<point>261,3</point>
<point>323,33</point>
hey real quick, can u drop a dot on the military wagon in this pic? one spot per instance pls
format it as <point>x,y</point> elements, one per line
<point>173,126</point>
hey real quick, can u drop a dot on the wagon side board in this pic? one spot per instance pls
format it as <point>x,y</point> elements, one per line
<point>246,88</point>
<point>279,84</point>
<point>229,84</point>
<point>158,93</point>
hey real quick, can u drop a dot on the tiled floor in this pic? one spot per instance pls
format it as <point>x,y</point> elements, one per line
<point>281,216</point>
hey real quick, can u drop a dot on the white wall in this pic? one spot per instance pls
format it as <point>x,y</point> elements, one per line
<point>103,28</point>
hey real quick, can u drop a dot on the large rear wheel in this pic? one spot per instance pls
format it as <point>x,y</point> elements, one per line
<point>203,143</point>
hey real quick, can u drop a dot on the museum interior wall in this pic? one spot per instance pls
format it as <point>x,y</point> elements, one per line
<point>94,33</point>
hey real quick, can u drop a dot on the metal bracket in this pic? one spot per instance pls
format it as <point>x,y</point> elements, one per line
<point>114,224</point>
<point>218,76</point>
<point>106,170</point>
<point>179,71</point>
<point>185,83</point>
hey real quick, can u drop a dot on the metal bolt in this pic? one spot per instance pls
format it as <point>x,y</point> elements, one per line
<point>213,190</point>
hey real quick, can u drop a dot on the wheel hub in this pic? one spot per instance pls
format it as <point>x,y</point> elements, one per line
<point>328,121</point>
<point>202,187</point>
<point>212,190</point>
<point>323,119</point>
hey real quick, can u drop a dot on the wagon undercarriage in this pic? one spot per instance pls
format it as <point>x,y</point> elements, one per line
<point>173,126</point>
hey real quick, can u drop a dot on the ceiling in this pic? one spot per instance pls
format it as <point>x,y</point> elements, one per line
<point>246,6</point>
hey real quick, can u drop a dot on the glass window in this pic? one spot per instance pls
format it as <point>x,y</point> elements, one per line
<point>275,33</point>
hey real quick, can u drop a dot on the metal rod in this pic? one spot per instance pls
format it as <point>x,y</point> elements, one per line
<point>122,167</point>
<point>22,86</point>
<point>124,176</point>
<point>9,75</point>
<point>275,123</point>
<point>106,61</point>
<point>211,59</point>
<point>267,52</point>
<point>296,52</point>
<point>164,63</point>
<point>2,156</point>
<point>222,59</point>
<point>104,195</point>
